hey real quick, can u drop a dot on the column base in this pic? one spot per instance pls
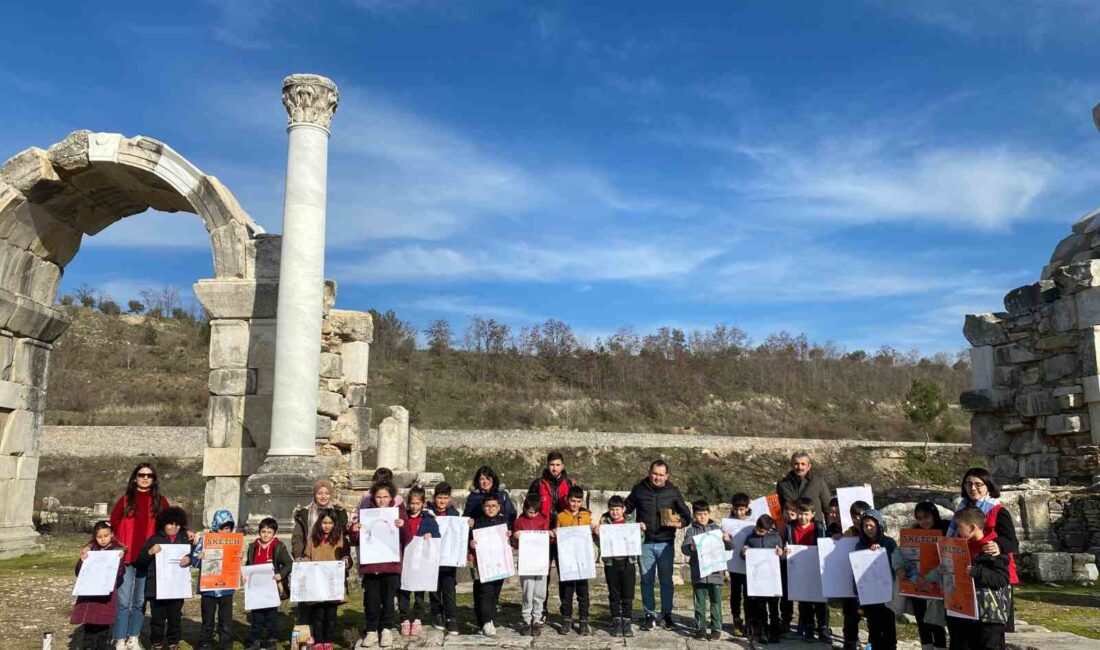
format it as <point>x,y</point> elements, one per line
<point>19,540</point>
<point>281,485</point>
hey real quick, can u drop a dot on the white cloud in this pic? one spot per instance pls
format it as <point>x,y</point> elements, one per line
<point>468,306</point>
<point>243,24</point>
<point>523,263</point>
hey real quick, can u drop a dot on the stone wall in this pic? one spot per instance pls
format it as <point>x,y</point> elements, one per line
<point>87,441</point>
<point>1036,369</point>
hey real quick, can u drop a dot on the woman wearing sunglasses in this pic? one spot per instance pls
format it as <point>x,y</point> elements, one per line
<point>133,520</point>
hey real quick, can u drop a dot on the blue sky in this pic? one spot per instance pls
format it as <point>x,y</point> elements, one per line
<point>865,172</point>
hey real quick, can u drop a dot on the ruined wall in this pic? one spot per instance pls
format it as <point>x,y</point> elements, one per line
<point>1036,369</point>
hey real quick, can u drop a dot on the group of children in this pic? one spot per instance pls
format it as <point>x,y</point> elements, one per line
<point>764,620</point>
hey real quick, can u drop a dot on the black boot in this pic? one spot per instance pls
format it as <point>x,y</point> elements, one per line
<point>617,627</point>
<point>628,629</point>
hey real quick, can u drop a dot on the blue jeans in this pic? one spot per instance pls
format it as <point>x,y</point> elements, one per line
<point>656,563</point>
<point>130,615</point>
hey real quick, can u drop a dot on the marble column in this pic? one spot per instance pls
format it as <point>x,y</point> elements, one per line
<point>310,101</point>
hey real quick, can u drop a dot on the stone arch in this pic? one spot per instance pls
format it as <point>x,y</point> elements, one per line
<point>49,200</point>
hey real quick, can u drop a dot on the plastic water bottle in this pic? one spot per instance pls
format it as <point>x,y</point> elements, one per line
<point>867,646</point>
<point>294,640</point>
<point>47,641</point>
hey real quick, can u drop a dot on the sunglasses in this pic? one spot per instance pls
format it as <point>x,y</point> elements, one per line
<point>146,475</point>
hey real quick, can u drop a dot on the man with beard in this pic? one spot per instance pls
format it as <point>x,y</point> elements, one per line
<point>552,490</point>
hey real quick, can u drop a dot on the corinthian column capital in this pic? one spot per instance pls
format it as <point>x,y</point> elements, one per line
<point>310,99</point>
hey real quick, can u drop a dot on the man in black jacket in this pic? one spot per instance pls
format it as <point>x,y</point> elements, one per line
<point>802,481</point>
<point>658,504</point>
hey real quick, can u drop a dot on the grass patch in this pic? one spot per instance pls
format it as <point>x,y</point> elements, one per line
<point>1061,607</point>
<point>87,481</point>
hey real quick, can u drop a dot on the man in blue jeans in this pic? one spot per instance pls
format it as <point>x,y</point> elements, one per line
<point>658,504</point>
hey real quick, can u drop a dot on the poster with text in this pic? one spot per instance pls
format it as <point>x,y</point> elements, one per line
<point>959,597</point>
<point>847,496</point>
<point>221,561</point>
<point>454,536</point>
<point>173,580</point>
<point>921,555</point>
<point>379,537</point>
<point>493,554</point>
<point>739,530</point>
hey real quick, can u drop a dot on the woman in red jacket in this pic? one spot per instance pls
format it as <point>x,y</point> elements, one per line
<point>133,521</point>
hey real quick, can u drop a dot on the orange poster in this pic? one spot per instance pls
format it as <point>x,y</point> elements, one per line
<point>221,561</point>
<point>959,598</point>
<point>921,556</point>
<point>774,508</point>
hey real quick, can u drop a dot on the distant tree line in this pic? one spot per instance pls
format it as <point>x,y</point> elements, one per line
<point>155,303</point>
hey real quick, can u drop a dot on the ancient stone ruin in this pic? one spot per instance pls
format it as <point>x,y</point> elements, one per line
<point>1036,369</point>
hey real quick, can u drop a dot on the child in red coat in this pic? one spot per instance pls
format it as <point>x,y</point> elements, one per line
<point>97,613</point>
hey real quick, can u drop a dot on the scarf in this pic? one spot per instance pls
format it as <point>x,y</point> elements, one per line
<point>984,504</point>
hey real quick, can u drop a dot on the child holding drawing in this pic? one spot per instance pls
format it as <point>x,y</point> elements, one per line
<point>708,586</point>
<point>881,628</point>
<point>621,573</point>
<point>326,543</point>
<point>850,606</point>
<point>805,531</point>
<point>738,592</point>
<point>991,587</point>
<point>421,523</point>
<point>576,515</point>
<point>759,609</point>
<point>786,607</point>
<point>929,613</point>
<point>164,626</point>
<point>268,549</point>
<point>443,598</point>
<point>533,588</point>
<point>215,603</point>
<point>381,580</point>
<point>487,594</point>
<point>97,613</point>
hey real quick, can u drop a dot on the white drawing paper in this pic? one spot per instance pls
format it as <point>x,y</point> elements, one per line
<point>762,574</point>
<point>710,551</point>
<point>837,580</point>
<point>316,582</point>
<point>847,496</point>
<point>260,589</point>
<point>874,579</point>
<point>739,530</point>
<point>576,557</point>
<point>620,540</point>
<point>759,507</point>
<point>804,575</point>
<point>173,580</point>
<point>494,555</point>
<point>420,569</point>
<point>454,534</point>
<point>98,574</point>
<point>534,552</point>
<point>379,538</point>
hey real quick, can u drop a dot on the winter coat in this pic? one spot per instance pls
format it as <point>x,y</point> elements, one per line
<point>769,540</point>
<point>428,525</point>
<point>646,502</point>
<point>301,530</point>
<point>553,493</point>
<point>523,522</point>
<point>605,520</point>
<point>389,567</point>
<point>998,520</point>
<point>819,532</point>
<point>882,539</point>
<point>220,518</point>
<point>688,549</point>
<point>98,610</point>
<point>582,518</point>
<point>791,488</point>
<point>145,559</point>
<point>280,558</point>
<point>128,528</point>
<point>451,511</point>
<point>477,496</point>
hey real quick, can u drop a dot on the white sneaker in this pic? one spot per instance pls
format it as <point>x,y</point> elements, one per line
<point>385,639</point>
<point>120,644</point>
<point>133,643</point>
<point>489,629</point>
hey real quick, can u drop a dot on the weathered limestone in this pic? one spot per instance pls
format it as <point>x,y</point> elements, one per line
<point>390,433</point>
<point>418,451</point>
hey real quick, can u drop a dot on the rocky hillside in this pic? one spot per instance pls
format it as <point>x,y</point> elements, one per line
<point>134,370</point>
